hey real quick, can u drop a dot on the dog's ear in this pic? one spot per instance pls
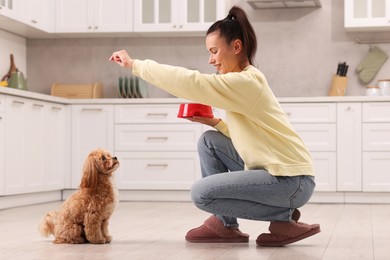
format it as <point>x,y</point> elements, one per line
<point>90,173</point>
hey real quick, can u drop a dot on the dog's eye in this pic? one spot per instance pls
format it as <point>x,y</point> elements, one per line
<point>103,157</point>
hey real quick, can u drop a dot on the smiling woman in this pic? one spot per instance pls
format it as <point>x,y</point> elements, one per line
<point>255,166</point>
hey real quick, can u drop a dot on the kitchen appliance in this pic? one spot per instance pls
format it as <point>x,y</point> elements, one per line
<point>93,90</point>
<point>193,109</point>
<point>17,81</point>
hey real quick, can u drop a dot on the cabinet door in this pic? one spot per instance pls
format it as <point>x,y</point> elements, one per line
<point>349,147</point>
<point>376,175</point>
<point>55,147</point>
<point>366,14</point>
<point>113,16</point>
<point>199,15</point>
<point>74,15</point>
<point>16,127</point>
<point>325,170</point>
<point>41,14</point>
<point>7,8</point>
<point>156,15</point>
<point>92,127</point>
<point>2,152</point>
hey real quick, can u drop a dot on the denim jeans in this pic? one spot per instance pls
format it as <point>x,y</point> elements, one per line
<point>230,192</point>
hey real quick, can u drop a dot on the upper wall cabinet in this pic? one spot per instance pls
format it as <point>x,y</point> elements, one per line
<point>367,15</point>
<point>7,8</point>
<point>94,16</point>
<point>38,14</point>
<point>176,15</point>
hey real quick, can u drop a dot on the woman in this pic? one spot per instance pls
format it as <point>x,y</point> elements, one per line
<point>254,166</point>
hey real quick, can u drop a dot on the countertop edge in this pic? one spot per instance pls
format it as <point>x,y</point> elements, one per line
<point>67,101</point>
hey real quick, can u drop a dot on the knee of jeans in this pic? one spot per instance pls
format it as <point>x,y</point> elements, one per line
<point>197,193</point>
<point>205,138</point>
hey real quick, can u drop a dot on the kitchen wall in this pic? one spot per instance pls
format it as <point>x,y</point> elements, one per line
<point>298,52</point>
<point>11,43</point>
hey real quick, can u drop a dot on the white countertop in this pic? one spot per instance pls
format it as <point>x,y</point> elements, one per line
<point>43,97</point>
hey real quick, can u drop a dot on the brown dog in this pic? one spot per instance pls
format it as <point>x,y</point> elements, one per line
<point>84,216</point>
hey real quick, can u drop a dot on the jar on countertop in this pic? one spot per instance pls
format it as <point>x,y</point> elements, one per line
<point>373,91</point>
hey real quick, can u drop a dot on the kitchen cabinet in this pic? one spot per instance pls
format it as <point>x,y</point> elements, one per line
<point>176,15</point>
<point>35,156</point>
<point>367,15</point>
<point>156,150</point>
<point>92,128</point>
<point>349,147</point>
<point>316,125</point>
<point>376,147</point>
<point>92,16</point>
<point>7,8</point>
<point>2,145</point>
<point>40,14</point>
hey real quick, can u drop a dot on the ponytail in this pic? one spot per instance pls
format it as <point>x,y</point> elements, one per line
<point>237,26</point>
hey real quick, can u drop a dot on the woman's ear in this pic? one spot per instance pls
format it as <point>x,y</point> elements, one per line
<point>237,45</point>
<point>90,174</point>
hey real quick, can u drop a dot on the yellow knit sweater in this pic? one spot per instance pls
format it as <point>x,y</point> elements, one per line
<point>258,127</point>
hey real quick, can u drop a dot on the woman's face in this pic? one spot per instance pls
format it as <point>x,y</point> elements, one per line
<point>224,57</point>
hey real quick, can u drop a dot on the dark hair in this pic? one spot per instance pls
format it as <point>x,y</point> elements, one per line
<point>237,26</point>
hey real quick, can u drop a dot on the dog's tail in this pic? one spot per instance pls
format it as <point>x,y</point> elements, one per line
<point>46,228</point>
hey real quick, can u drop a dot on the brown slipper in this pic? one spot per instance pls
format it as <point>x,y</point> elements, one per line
<point>283,233</point>
<point>213,231</point>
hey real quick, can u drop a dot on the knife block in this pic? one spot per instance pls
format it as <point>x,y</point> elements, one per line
<point>338,86</point>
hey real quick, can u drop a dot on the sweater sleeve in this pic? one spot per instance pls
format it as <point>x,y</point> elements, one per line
<point>236,91</point>
<point>223,128</point>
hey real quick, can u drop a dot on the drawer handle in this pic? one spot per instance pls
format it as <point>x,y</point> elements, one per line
<point>156,114</point>
<point>56,108</point>
<point>157,165</point>
<point>288,114</point>
<point>37,105</point>
<point>92,109</point>
<point>157,138</point>
<point>18,102</point>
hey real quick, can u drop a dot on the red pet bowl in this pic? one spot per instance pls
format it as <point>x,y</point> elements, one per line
<point>191,110</point>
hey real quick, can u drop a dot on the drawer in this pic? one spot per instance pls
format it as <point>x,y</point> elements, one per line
<point>157,171</point>
<point>310,112</point>
<point>163,137</point>
<point>318,137</point>
<point>376,177</point>
<point>376,112</point>
<point>2,103</point>
<point>376,137</point>
<point>147,114</point>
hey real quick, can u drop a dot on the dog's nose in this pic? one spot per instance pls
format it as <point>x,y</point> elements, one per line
<point>114,158</point>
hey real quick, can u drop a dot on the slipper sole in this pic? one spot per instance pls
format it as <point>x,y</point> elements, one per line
<point>309,233</point>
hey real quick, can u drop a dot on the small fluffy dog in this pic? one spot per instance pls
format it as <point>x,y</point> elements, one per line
<point>84,216</point>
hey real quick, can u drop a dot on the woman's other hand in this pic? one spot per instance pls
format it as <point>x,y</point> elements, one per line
<point>205,120</point>
<point>122,58</point>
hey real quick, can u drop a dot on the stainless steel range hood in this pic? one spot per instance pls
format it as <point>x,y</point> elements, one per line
<point>263,4</point>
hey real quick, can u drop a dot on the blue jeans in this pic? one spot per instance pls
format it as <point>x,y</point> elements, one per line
<point>229,192</point>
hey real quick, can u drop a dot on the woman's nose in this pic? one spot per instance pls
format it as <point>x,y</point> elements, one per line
<point>211,59</point>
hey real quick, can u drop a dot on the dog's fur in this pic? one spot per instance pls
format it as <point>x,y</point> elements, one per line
<point>84,216</point>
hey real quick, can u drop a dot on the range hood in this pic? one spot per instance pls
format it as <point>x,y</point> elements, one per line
<point>263,4</point>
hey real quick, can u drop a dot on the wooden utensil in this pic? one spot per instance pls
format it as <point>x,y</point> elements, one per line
<point>12,69</point>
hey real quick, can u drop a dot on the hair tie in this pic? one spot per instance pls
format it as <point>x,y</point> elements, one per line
<point>230,17</point>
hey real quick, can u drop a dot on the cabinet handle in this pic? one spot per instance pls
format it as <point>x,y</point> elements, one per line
<point>92,109</point>
<point>288,114</point>
<point>17,102</point>
<point>38,105</point>
<point>156,114</point>
<point>96,27</point>
<point>157,138</point>
<point>56,108</point>
<point>34,21</point>
<point>157,165</point>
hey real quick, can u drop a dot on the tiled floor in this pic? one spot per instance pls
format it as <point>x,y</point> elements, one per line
<point>156,230</point>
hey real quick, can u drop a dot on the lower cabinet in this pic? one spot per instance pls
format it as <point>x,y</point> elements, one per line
<point>35,146</point>
<point>157,151</point>
<point>91,128</point>
<point>2,145</point>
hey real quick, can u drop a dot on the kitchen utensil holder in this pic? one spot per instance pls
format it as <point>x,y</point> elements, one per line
<point>338,86</point>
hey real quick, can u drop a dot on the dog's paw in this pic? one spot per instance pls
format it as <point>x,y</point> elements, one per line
<point>108,239</point>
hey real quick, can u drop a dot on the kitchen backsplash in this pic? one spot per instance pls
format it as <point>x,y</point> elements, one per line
<point>298,51</point>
